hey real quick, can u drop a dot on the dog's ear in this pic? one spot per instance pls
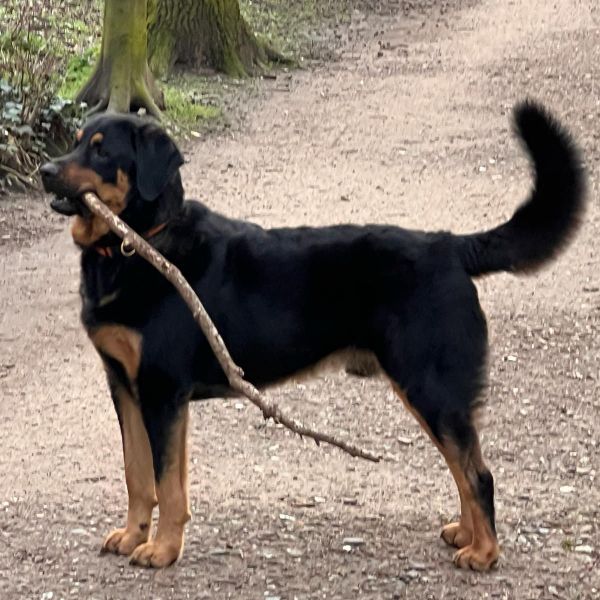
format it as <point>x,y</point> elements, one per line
<point>157,160</point>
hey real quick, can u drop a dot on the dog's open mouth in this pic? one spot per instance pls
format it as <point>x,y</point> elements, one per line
<point>69,206</point>
<point>67,194</point>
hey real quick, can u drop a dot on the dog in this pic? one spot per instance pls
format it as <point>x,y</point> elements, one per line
<point>285,299</point>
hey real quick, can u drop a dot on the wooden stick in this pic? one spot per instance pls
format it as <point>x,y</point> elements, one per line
<point>234,374</point>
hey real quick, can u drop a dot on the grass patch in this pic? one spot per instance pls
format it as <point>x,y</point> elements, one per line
<point>192,103</point>
<point>79,70</point>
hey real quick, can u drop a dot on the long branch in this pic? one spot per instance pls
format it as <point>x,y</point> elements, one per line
<point>234,373</point>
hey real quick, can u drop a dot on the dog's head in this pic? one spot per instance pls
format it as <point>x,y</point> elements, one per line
<point>131,164</point>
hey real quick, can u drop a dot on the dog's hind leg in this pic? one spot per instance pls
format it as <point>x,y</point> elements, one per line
<point>167,426</point>
<point>476,489</point>
<point>475,533</point>
<point>436,362</point>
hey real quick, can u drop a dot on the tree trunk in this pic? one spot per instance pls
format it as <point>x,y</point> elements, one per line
<point>122,80</point>
<point>203,33</point>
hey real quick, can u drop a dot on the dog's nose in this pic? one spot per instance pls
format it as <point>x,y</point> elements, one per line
<point>48,171</point>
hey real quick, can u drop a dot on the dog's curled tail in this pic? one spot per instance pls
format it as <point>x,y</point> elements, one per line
<point>544,224</point>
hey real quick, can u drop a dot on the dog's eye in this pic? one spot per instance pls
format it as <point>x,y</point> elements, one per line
<point>100,151</point>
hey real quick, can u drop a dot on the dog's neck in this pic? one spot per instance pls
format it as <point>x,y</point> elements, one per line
<point>148,218</point>
<point>143,215</point>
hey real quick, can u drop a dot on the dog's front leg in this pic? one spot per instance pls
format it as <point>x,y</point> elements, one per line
<point>168,440</point>
<point>120,349</point>
<point>139,476</point>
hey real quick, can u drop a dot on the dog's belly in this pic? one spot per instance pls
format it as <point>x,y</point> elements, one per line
<point>337,361</point>
<point>352,360</point>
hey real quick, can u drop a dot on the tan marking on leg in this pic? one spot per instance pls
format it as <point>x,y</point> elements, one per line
<point>173,502</point>
<point>473,534</point>
<point>457,534</point>
<point>483,551</point>
<point>460,533</point>
<point>402,395</point>
<point>139,477</point>
<point>120,343</point>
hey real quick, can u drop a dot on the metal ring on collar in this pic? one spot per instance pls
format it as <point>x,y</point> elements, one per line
<point>126,249</point>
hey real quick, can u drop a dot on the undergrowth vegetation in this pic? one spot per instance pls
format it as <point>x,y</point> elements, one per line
<point>35,121</point>
<point>48,49</point>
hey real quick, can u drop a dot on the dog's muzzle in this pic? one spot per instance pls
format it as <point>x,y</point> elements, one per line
<point>63,202</point>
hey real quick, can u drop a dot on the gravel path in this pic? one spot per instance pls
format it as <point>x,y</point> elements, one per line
<point>410,127</point>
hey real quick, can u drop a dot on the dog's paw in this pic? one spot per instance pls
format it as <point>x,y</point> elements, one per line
<point>155,554</point>
<point>476,558</point>
<point>124,541</point>
<point>456,535</point>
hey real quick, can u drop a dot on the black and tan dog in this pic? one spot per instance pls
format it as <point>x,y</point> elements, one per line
<point>285,299</point>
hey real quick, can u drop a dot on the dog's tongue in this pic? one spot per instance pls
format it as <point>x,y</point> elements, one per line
<point>65,206</point>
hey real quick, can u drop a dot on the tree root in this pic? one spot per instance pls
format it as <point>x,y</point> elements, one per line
<point>274,56</point>
<point>141,95</point>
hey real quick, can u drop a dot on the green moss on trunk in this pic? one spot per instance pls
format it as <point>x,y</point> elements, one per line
<point>122,79</point>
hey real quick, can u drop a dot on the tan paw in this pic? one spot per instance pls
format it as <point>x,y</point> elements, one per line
<point>124,541</point>
<point>478,559</point>
<point>456,535</point>
<point>155,554</point>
